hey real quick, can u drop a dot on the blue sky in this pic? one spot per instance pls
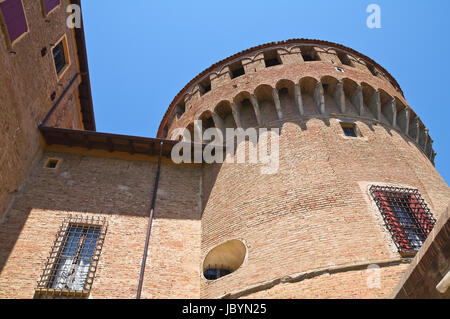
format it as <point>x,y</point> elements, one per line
<point>143,53</point>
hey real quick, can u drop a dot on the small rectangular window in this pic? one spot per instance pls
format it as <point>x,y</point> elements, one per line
<point>307,58</point>
<point>271,58</point>
<point>61,56</point>
<point>372,69</point>
<point>180,109</point>
<point>14,20</point>
<point>52,163</point>
<point>343,57</point>
<point>49,5</point>
<point>406,216</point>
<point>73,260</point>
<point>349,129</point>
<point>237,69</point>
<point>205,86</point>
<point>309,54</point>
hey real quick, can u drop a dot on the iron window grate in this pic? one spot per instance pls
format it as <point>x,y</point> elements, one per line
<point>60,57</point>
<point>70,268</point>
<point>349,131</point>
<point>405,214</point>
<point>216,272</point>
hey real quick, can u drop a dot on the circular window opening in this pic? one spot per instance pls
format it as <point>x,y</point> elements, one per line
<point>224,259</point>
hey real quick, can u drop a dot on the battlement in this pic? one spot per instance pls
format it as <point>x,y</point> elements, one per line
<point>293,80</point>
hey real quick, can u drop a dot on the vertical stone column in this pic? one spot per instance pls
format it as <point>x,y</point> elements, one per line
<point>255,104</point>
<point>198,132</point>
<point>425,140</point>
<point>339,97</point>
<point>236,114</point>
<point>394,113</point>
<point>298,98</point>
<point>404,120</point>
<point>276,99</point>
<point>429,150</point>
<point>433,156</point>
<point>375,105</point>
<point>415,130</point>
<point>219,123</point>
<point>358,100</point>
<point>319,98</point>
<point>407,115</point>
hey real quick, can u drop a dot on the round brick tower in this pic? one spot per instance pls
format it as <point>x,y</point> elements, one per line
<point>314,228</point>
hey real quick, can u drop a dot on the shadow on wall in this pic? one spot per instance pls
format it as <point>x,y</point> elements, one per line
<point>308,98</point>
<point>82,184</point>
<point>210,174</point>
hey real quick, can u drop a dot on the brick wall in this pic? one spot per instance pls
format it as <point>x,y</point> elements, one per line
<point>316,212</point>
<point>121,190</point>
<point>257,74</point>
<point>27,83</point>
<point>353,284</point>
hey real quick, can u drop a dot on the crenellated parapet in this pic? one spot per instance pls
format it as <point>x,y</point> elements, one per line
<point>294,80</point>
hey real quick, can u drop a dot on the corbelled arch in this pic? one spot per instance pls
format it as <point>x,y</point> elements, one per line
<point>207,121</point>
<point>270,110</point>
<point>249,113</point>
<point>387,107</point>
<point>310,90</point>
<point>224,110</point>
<point>403,115</point>
<point>353,96</point>
<point>285,90</point>
<point>414,125</point>
<point>190,128</point>
<point>333,92</point>
<point>371,101</point>
<point>272,96</point>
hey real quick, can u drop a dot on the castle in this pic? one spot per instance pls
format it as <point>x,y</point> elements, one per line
<point>356,208</point>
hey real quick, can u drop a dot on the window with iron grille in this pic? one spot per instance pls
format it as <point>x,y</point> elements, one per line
<point>71,266</point>
<point>59,56</point>
<point>405,214</point>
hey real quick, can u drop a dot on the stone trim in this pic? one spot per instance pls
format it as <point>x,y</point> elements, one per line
<point>313,273</point>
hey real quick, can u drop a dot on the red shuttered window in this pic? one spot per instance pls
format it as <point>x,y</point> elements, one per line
<point>50,5</point>
<point>14,21</point>
<point>405,214</point>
